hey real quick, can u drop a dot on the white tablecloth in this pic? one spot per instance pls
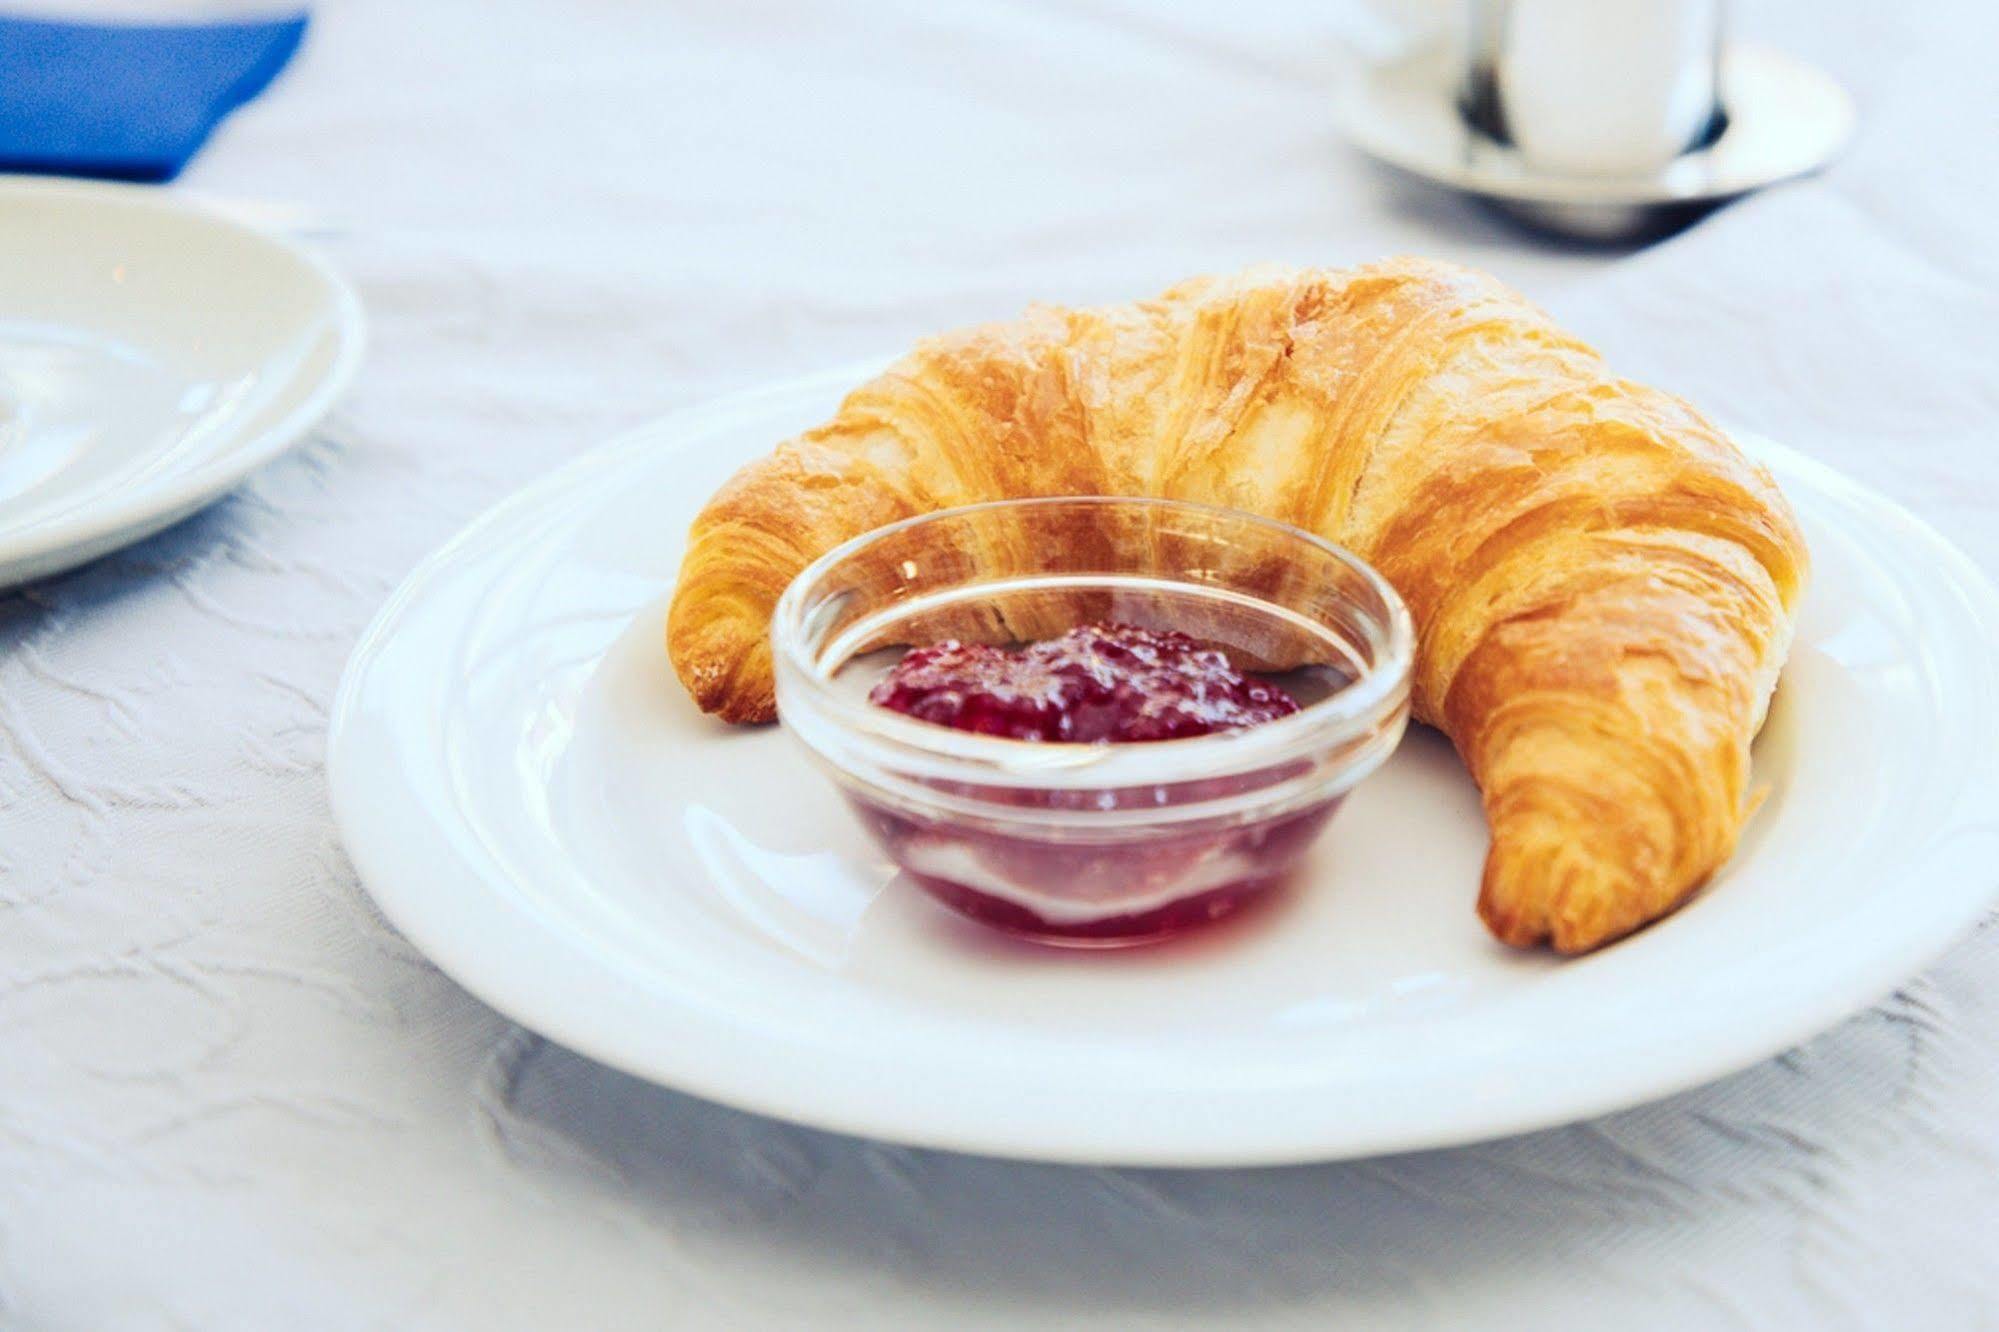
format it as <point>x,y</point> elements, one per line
<point>231,1097</point>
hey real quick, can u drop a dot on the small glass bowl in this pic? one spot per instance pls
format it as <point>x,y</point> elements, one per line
<point>1095,844</point>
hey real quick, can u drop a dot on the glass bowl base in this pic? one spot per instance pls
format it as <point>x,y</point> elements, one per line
<point>1128,931</point>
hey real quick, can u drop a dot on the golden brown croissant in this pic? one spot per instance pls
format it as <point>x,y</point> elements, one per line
<point>1602,585</point>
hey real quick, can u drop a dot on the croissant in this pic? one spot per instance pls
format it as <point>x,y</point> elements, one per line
<point>1603,586</point>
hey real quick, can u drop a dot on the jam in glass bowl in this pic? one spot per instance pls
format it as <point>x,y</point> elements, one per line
<point>1093,721</point>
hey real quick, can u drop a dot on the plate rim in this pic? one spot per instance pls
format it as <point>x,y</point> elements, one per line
<point>567,1020</point>
<point>46,548</point>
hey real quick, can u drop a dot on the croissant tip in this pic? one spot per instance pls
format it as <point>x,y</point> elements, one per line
<point>1569,927</point>
<point>1569,938</point>
<point>1571,942</point>
<point>1511,928</point>
<point>741,711</point>
<point>710,658</point>
<point>717,692</point>
<point>1523,908</point>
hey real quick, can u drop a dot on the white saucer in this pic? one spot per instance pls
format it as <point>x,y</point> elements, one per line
<point>151,354</point>
<point>1785,119</point>
<point>532,799</point>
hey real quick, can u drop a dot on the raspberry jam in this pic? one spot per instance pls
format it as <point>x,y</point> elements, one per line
<point>1101,682</point>
<point>1098,684</point>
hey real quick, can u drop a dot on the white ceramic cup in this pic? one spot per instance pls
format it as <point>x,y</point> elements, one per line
<point>1595,87</point>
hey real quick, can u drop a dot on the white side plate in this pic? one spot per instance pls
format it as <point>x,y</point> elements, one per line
<point>532,799</point>
<point>151,355</point>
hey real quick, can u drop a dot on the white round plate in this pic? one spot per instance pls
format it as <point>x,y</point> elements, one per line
<point>151,355</point>
<point>532,799</point>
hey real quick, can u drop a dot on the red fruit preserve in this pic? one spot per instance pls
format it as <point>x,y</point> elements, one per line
<point>1097,684</point>
<point>1100,682</point>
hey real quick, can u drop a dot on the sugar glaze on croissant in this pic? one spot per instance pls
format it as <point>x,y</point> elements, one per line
<point>1602,584</point>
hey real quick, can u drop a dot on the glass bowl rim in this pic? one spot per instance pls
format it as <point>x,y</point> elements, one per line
<point>1379,693</point>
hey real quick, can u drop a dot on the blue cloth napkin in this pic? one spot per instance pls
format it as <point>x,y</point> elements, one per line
<point>127,100</point>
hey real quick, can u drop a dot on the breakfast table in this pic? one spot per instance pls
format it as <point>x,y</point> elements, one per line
<point>233,1096</point>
